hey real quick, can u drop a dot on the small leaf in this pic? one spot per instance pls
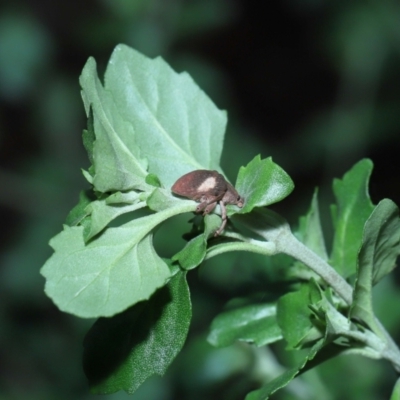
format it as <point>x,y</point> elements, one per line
<point>377,257</point>
<point>255,323</point>
<point>153,180</point>
<point>261,183</point>
<point>282,380</point>
<point>162,199</point>
<point>310,230</point>
<point>295,317</point>
<point>106,210</point>
<point>79,212</point>
<point>194,252</point>
<point>121,352</point>
<point>353,209</point>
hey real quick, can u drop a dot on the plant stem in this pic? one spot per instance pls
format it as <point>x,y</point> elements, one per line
<point>273,228</point>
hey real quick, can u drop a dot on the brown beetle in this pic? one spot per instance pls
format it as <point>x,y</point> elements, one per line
<point>208,188</point>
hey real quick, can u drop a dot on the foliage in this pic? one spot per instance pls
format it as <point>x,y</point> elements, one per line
<point>147,126</point>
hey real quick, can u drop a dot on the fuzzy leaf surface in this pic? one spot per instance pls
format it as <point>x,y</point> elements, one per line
<point>121,352</point>
<point>353,208</point>
<point>255,323</point>
<point>107,275</point>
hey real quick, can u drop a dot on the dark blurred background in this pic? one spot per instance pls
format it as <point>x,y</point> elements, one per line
<point>312,83</point>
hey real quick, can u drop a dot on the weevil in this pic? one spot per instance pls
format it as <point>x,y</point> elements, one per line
<point>208,188</point>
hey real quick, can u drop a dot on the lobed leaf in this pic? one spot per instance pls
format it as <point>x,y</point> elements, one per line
<point>110,273</point>
<point>167,116</point>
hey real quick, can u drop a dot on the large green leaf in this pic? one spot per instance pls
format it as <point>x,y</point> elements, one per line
<point>353,207</point>
<point>123,351</point>
<point>111,272</point>
<point>254,323</point>
<point>377,257</point>
<point>148,117</point>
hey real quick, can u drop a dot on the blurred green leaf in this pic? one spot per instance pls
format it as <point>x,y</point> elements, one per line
<point>353,207</point>
<point>282,380</point>
<point>255,323</point>
<point>262,182</point>
<point>25,50</point>
<point>396,391</point>
<point>121,352</point>
<point>379,251</point>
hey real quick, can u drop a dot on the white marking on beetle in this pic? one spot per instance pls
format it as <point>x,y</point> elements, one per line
<point>207,184</point>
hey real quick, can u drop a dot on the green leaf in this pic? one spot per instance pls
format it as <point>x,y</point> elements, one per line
<point>161,199</point>
<point>281,381</point>
<point>295,317</point>
<point>255,323</point>
<point>89,137</point>
<point>261,183</point>
<point>79,212</point>
<point>195,250</point>
<point>117,162</point>
<point>379,251</point>
<point>396,391</point>
<point>106,276</point>
<point>146,105</point>
<point>121,352</point>
<point>350,214</point>
<point>310,230</point>
<point>104,211</point>
<point>110,273</point>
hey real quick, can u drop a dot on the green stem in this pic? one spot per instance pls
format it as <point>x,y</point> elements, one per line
<point>267,249</point>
